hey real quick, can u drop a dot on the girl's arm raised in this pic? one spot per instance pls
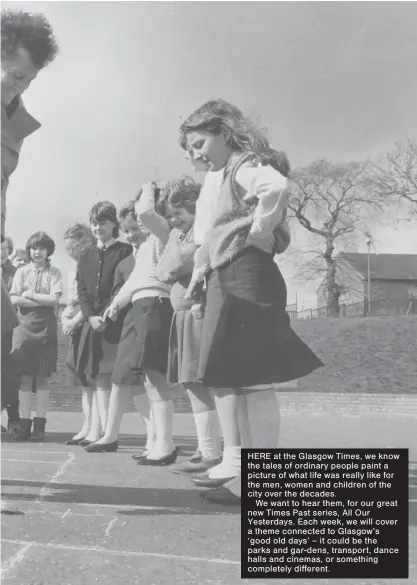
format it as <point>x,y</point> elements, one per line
<point>147,214</point>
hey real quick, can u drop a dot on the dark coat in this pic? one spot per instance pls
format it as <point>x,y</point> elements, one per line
<point>95,283</point>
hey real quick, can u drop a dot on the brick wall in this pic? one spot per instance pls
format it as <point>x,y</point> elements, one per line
<point>376,355</point>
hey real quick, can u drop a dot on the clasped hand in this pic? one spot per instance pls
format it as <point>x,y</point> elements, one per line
<point>97,323</point>
<point>111,313</point>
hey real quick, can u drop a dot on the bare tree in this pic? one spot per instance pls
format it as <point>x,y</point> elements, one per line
<point>394,176</point>
<point>331,201</point>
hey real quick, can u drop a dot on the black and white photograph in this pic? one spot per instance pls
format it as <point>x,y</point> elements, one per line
<point>209,292</point>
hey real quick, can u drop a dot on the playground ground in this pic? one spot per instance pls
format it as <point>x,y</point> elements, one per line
<point>99,518</point>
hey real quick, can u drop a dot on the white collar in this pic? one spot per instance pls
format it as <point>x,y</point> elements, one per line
<point>100,245</point>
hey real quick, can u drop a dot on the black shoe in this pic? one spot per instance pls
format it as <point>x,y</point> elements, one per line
<point>75,442</point>
<point>84,443</point>
<point>210,482</point>
<point>167,460</point>
<point>221,496</point>
<point>24,431</point>
<point>102,447</point>
<point>13,426</point>
<point>38,433</point>
<point>140,456</point>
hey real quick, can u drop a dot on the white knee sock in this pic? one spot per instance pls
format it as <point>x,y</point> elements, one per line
<point>143,406</point>
<point>86,402</point>
<point>230,465</point>
<point>208,434</point>
<point>25,403</point>
<point>243,421</point>
<point>95,423</point>
<point>264,419</point>
<point>42,402</point>
<point>163,416</point>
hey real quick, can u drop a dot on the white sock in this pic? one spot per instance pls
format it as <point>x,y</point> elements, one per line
<point>143,406</point>
<point>95,431</point>
<point>25,403</point>
<point>235,486</point>
<point>163,416</point>
<point>264,419</point>
<point>243,422</point>
<point>208,434</point>
<point>42,402</point>
<point>230,465</point>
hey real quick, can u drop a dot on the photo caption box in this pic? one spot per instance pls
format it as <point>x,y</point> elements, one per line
<point>328,513</point>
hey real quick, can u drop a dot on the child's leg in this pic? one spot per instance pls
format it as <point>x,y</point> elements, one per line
<point>103,387</point>
<point>25,396</point>
<point>160,398</point>
<point>42,396</point>
<point>243,420</point>
<point>25,403</point>
<point>264,418</point>
<point>87,407</point>
<point>143,406</point>
<point>116,409</point>
<point>226,404</point>
<point>95,427</point>
<point>42,405</point>
<point>206,420</point>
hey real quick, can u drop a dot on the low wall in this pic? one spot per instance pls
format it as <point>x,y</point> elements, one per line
<point>376,355</point>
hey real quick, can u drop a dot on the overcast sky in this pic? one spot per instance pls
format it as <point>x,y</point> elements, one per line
<point>333,79</point>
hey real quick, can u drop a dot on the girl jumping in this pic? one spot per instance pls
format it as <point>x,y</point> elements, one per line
<point>247,340</point>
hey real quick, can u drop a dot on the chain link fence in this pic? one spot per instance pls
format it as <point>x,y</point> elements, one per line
<point>379,307</point>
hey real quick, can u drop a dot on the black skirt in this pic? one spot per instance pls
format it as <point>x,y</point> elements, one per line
<point>247,339</point>
<point>153,317</point>
<point>127,353</point>
<point>74,342</point>
<point>35,342</point>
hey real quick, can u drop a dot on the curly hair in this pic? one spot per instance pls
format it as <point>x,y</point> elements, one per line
<point>81,233</point>
<point>40,240</point>
<point>180,193</point>
<point>33,32</point>
<point>128,209</point>
<point>245,135</point>
<point>102,211</point>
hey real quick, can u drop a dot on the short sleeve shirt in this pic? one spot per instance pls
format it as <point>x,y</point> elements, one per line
<point>46,280</point>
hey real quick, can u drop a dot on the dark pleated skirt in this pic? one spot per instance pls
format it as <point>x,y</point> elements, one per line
<point>74,343</point>
<point>35,342</point>
<point>152,317</point>
<point>9,377</point>
<point>184,347</point>
<point>94,353</point>
<point>127,353</point>
<point>247,339</point>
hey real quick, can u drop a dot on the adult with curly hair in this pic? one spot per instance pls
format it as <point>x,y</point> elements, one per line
<point>27,46</point>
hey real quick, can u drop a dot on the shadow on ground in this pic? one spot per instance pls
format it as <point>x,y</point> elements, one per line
<point>185,445</point>
<point>187,501</point>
